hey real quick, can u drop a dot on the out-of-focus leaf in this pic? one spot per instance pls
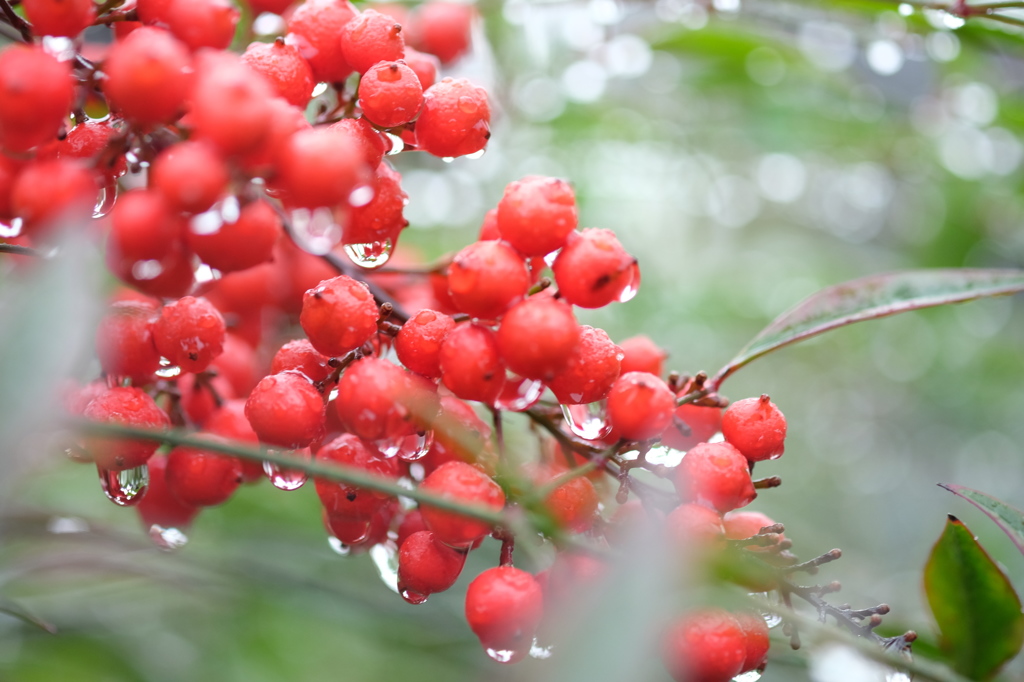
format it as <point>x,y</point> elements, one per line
<point>873,297</point>
<point>976,608</point>
<point>1008,518</point>
<point>18,611</point>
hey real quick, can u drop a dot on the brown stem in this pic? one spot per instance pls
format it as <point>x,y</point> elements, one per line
<point>11,17</point>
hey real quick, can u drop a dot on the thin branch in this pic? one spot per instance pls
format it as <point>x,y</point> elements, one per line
<point>11,17</point>
<point>21,250</point>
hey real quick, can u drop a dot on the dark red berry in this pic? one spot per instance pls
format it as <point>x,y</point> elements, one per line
<point>756,427</point>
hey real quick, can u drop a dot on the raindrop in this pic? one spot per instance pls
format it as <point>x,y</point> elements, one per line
<point>167,370</point>
<point>631,289</point>
<point>320,89</point>
<point>540,652</point>
<point>11,229</point>
<point>124,488</point>
<point>283,478</point>
<point>315,230</point>
<point>397,144</point>
<point>519,394</point>
<point>361,195</point>
<point>589,422</point>
<point>339,547</point>
<point>505,655</point>
<point>447,159</point>
<point>417,598</point>
<point>167,539</point>
<point>369,255</point>
<point>477,154</point>
<point>105,200</point>
<point>385,558</point>
<point>750,676</point>
<point>409,448</point>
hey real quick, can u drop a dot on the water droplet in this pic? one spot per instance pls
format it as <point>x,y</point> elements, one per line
<point>505,655</point>
<point>361,195</point>
<point>124,488</point>
<point>447,159</point>
<point>320,89</point>
<point>519,394</point>
<point>540,652</point>
<point>61,525</point>
<point>750,676</point>
<point>147,269</point>
<point>385,558</point>
<point>895,676</point>
<point>633,287</point>
<point>315,230</point>
<point>105,200</point>
<point>468,105</point>
<point>416,598</point>
<point>550,258</point>
<point>588,421</point>
<point>167,539</point>
<point>167,370</point>
<point>283,478</point>
<point>11,229</point>
<point>370,255</point>
<point>338,546</point>
<point>417,472</point>
<point>397,144</point>
<point>476,155</point>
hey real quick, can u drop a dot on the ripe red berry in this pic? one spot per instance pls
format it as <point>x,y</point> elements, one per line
<point>715,474</point>
<point>202,23</point>
<point>241,244</point>
<point>705,646</point>
<point>372,143</point>
<point>471,366</point>
<point>149,74</point>
<point>390,94</point>
<point>418,344</point>
<point>190,333</point>
<point>455,120</point>
<point>124,341</point>
<point>757,636</point>
<point>36,92</point>
<point>229,421</point>
<point>740,525</point>
<point>315,29</point>
<point>339,315</point>
<point>504,607</point>
<point>378,400</point>
<point>300,355</point>
<point>59,17</point>
<point>191,175</point>
<point>702,422</point>
<point>286,410</point>
<point>640,406</point>
<point>756,427</point>
<point>537,337</point>
<point>536,214</point>
<point>593,269</point>
<point>201,478</point>
<point>321,167</point>
<point>53,193</point>
<point>371,37</point>
<point>128,406</point>
<point>424,65</point>
<point>426,566</point>
<point>229,103</point>
<point>459,434</point>
<point>485,278</point>
<point>573,504</point>
<point>591,370</point>
<point>640,354</point>
<point>443,29</point>
<point>158,507</point>
<point>88,141</point>
<point>382,218</point>
<point>464,483</point>
<point>694,526</point>
<point>284,68</point>
<point>346,500</point>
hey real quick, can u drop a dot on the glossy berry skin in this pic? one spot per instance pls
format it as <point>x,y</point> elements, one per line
<point>591,370</point>
<point>320,167</point>
<point>641,354</point>
<point>59,17</point>
<point>708,645</point>
<point>471,366</point>
<point>504,606</point>
<point>286,410</point>
<point>190,175</point>
<point>128,406</point>
<point>390,94</point>
<point>343,499</point>
<point>703,423</point>
<point>640,406</point>
<point>537,337</point>
<point>190,333</point>
<point>338,315</point>
<point>465,483</point>
<point>485,278</point>
<point>88,141</point>
<point>418,343</point>
<point>143,227</point>
<point>229,421</point>
<point>149,74</point>
<point>715,474</point>
<point>455,120</point>
<point>378,400</point>
<point>200,478</point>
<point>158,507</point>
<point>239,245</point>
<point>757,637</point>
<point>371,37</point>
<point>124,341</point>
<point>593,269</point>
<point>300,355</point>
<point>372,143</point>
<point>202,23</point>
<point>284,69</point>
<point>36,93</point>
<point>426,566</point>
<point>382,218</point>
<point>424,65</point>
<point>443,29</point>
<point>536,214</point>
<point>315,28</point>
<point>230,104</point>
<point>50,194</point>
<point>573,504</point>
<point>694,526</point>
<point>756,427</point>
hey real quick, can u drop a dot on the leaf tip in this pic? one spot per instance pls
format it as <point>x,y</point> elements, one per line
<point>953,519</point>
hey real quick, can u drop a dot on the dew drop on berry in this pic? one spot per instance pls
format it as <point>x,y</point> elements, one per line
<point>124,488</point>
<point>385,558</point>
<point>10,229</point>
<point>749,676</point>
<point>447,159</point>
<point>397,144</point>
<point>477,154</point>
<point>519,394</point>
<point>631,289</point>
<point>504,655</point>
<point>105,200</point>
<point>283,478</point>
<point>315,230</point>
<point>339,547</point>
<point>361,195</point>
<point>413,597</point>
<point>589,421</point>
<point>539,651</point>
<point>167,539</point>
<point>167,370</point>
<point>369,255</point>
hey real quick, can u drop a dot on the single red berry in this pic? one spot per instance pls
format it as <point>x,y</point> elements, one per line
<point>641,354</point>
<point>241,244</point>
<point>199,395</point>
<point>158,507</point>
<point>471,366</point>
<point>702,423</point>
<point>190,333</point>
<point>412,522</point>
<point>191,175</point>
<point>371,37</point>
<point>201,478</point>
<point>716,474</point>
<point>640,406</point>
<point>88,141</point>
<point>378,400</point>
<point>339,315</point>
<point>536,214</point>
<point>591,370</point>
<point>124,341</point>
<point>300,355</point>
<point>443,29</point>
<point>127,406</point>
<point>229,103</point>
<point>284,68</point>
<point>418,343</point>
<point>426,566</point>
<point>202,23</point>
<point>143,227</point>
<point>53,193</point>
<point>537,337</point>
<point>372,143</point>
<point>459,434</point>
<point>425,66</point>
<point>285,121</point>
<point>485,278</point>
<point>358,535</point>
<point>573,504</point>
<point>694,526</point>
<point>36,93</point>
<point>465,483</point>
<point>321,167</point>
<point>756,427</point>
<point>758,639</point>
<point>171,276</point>
<point>390,94</point>
<point>455,120</point>
<point>148,76</point>
<point>230,422</point>
<point>593,269</point>
<point>286,410</point>
<point>59,17</point>
<point>382,218</point>
<point>315,29</point>
<point>705,646</point>
<point>346,500</point>
<point>504,607</point>
<point>740,525</point>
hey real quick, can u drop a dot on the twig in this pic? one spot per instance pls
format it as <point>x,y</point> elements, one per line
<point>12,18</point>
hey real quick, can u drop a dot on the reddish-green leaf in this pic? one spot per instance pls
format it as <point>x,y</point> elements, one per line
<point>18,611</point>
<point>1008,518</point>
<point>976,608</point>
<point>872,297</point>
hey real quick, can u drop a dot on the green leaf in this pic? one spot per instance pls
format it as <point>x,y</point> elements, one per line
<point>976,608</point>
<point>18,611</point>
<point>1010,519</point>
<point>872,297</point>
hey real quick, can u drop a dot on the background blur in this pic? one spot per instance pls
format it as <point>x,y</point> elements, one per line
<point>749,153</point>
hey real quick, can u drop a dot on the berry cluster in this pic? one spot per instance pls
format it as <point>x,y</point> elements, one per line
<point>239,318</point>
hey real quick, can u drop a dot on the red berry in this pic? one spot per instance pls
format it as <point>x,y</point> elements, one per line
<point>591,370</point>
<point>378,400</point>
<point>382,218</point>
<point>372,143</point>
<point>143,227</point>
<point>593,269</point>
<point>339,315</point>
<point>321,167</point>
<point>169,277</point>
<point>758,639</point>
<point>300,355</point>
<point>640,406</point>
<point>536,214</point>
<point>238,245</point>
<point>459,434</point>
<point>740,525</point>
<point>202,23</point>
<point>485,278</point>
<point>715,474</point>
<point>286,410</point>
<point>694,526</point>
<point>537,337</point>
<point>390,94</point>
<point>640,354</point>
<point>59,17</point>
<point>36,93</point>
<point>315,29</point>
<point>149,74</point>
<point>418,344</point>
<point>201,478</point>
<point>49,194</point>
<point>471,366</point>
<point>455,120</point>
<point>346,500</point>
<point>229,421</point>
<point>158,507</point>
<point>443,29</point>
<point>371,37</point>
<point>464,483</point>
<point>504,606</point>
<point>424,65</point>
<point>284,68</point>
<point>230,103</point>
<point>573,504</point>
<point>190,333</point>
<point>756,427</point>
<point>191,175</point>
<point>705,646</point>
<point>124,341</point>
<point>426,566</point>
<point>128,406</point>
<point>88,141</point>
<point>702,422</point>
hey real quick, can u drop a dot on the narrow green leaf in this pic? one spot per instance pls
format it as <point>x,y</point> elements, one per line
<point>976,608</point>
<point>18,611</point>
<point>872,297</point>
<point>1010,519</point>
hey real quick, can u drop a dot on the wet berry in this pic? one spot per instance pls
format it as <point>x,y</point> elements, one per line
<point>300,355</point>
<point>149,74</point>
<point>756,427</point>
<point>124,341</point>
<point>701,422</point>
<point>471,366</point>
<point>390,94</point>
<point>238,244</point>
<point>321,167</point>
<point>593,269</point>
<point>315,29</point>
<point>190,175</point>
<point>426,566</point>
<point>418,344</point>
<point>158,507</point>
<point>127,406</point>
<point>339,315</point>
<point>201,478</point>
<point>591,370</point>
<point>715,474</point>
<point>455,119</point>
<point>284,69</point>
<point>537,337</point>
<point>466,484</point>
<point>286,410</point>
<point>485,278</point>
<point>640,406</point>
<point>190,333</point>
<point>705,646</point>
<point>536,214</point>
<point>641,354</point>
<point>346,500</point>
<point>371,37</point>
<point>36,92</point>
<point>378,400</point>
<point>504,606</point>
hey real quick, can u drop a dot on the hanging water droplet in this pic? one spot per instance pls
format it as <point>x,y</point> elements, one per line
<point>633,287</point>
<point>397,144</point>
<point>338,546</point>
<point>315,230</point>
<point>167,370</point>
<point>409,448</point>
<point>894,676</point>
<point>589,421</point>
<point>320,89</point>
<point>477,154</point>
<point>519,394</point>
<point>361,195</point>
<point>105,199</point>
<point>447,159</point>
<point>369,255</point>
<point>412,597</point>
<point>11,229</point>
<point>283,478</point>
<point>540,652</point>
<point>417,472</point>
<point>504,655</point>
<point>167,539</point>
<point>124,488</point>
<point>749,676</point>
<point>550,258</point>
<point>385,558</point>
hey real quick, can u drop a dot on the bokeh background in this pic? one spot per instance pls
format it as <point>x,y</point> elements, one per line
<point>749,153</point>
